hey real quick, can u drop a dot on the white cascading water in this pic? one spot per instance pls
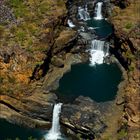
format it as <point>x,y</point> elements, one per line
<point>98,11</point>
<point>54,133</point>
<point>83,13</point>
<point>97,52</point>
<point>70,23</point>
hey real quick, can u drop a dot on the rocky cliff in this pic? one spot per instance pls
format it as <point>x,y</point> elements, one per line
<point>37,48</point>
<point>33,40</point>
<point>126,48</point>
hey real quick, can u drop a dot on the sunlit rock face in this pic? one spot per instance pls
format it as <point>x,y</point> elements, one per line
<point>126,40</point>
<point>26,53</point>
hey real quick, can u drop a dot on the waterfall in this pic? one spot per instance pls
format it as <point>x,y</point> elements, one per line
<point>83,13</point>
<point>70,23</point>
<point>98,11</point>
<point>54,132</point>
<point>97,52</point>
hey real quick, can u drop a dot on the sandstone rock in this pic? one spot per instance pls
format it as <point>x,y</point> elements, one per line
<point>120,101</point>
<point>121,3</point>
<point>82,117</point>
<point>126,35</point>
<point>65,41</point>
<point>58,62</point>
<point>34,106</point>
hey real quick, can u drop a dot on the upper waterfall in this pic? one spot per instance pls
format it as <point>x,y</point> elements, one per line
<point>83,13</point>
<point>98,52</point>
<point>98,11</point>
<point>54,133</point>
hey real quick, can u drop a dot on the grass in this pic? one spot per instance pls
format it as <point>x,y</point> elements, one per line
<point>127,18</point>
<point>21,35</point>
<point>26,32</point>
<point>15,3</point>
<point>43,8</point>
<point>19,8</point>
<point>1,30</point>
<point>31,15</point>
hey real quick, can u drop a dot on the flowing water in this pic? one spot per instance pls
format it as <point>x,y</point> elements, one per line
<point>95,79</point>
<point>98,11</point>
<point>12,131</point>
<point>54,133</point>
<point>83,13</point>
<point>102,27</point>
<point>97,52</point>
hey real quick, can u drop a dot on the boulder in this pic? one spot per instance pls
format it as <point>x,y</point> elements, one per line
<point>82,117</point>
<point>58,62</point>
<point>65,41</point>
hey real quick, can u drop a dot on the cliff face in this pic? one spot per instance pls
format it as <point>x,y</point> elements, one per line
<point>33,41</point>
<point>28,33</point>
<point>126,47</point>
<point>36,49</point>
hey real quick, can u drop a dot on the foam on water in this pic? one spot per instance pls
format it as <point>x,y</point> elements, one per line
<point>97,52</point>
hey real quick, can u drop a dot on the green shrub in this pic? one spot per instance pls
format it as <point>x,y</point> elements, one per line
<point>15,3</point>
<point>9,91</point>
<point>21,35</point>
<point>131,68</point>
<point>1,31</point>
<point>122,134</point>
<point>128,25</point>
<point>1,79</point>
<point>43,8</point>
<point>12,80</point>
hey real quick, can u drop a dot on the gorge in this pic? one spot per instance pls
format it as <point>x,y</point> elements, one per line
<point>84,54</point>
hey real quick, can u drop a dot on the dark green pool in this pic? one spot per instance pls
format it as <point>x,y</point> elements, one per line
<point>10,131</point>
<point>99,82</point>
<point>102,27</point>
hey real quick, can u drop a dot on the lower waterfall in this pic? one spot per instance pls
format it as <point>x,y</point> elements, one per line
<point>54,133</point>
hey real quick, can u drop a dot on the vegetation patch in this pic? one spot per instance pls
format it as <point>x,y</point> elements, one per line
<point>122,134</point>
<point>129,25</point>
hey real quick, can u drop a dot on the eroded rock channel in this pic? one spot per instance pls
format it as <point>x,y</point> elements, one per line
<point>38,47</point>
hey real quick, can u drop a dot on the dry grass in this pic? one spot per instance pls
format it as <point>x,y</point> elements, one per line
<point>129,17</point>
